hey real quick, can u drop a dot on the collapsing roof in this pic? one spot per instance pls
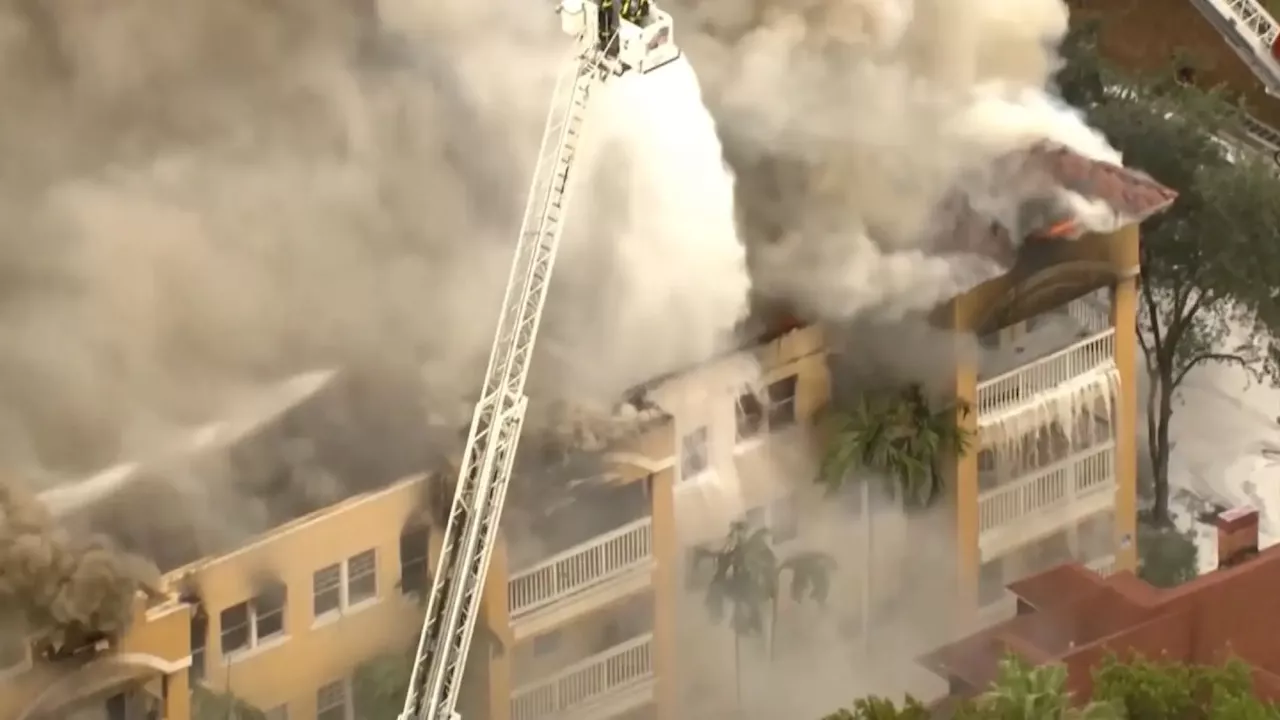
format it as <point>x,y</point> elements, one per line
<point>1053,192</point>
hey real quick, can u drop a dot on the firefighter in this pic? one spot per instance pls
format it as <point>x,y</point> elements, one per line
<point>607,26</point>
<point>634,11</point>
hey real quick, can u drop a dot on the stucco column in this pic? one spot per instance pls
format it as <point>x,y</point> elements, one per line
<point>965,480</point>
<point>498,618</point>
<point>177,696</point>
<point>1124,317</point>
<point>666,548</point>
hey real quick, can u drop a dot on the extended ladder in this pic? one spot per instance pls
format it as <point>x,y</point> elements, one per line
<point>1250,31</point>
<point>495,428</point>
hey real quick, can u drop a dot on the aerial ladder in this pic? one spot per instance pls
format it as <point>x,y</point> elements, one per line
<point>612,37</point>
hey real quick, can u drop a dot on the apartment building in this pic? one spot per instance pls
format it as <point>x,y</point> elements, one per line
<point>1053,387</point>
<point>578,614</point>
<point>581,616</point>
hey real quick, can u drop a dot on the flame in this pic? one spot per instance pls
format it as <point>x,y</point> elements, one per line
<point>1065,228</point>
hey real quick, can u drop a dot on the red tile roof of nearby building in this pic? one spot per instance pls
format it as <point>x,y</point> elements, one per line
<point>1073,616</point>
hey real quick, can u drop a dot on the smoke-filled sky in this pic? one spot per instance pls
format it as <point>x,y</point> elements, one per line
<point>204,196</point>
<point>200,196</point>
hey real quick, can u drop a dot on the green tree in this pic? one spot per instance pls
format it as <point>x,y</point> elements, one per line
<point>1133,688</point>
<point>899,435</point>
<point>1211,262</point>
<point>1166,556</point>
<point>744,584</point>
<point>1148,689</point>
<point>379,685</point>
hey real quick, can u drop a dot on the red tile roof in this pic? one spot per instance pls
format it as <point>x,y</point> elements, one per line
<point>1038,175</point>
<point>1076,618</point>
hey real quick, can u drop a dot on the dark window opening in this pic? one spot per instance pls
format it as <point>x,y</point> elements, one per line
<point>413,560</point>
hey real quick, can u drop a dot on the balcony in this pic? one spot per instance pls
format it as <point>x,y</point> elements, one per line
<point>1050,498</point>
<point>1062,371</point>
<point>601,686</point>
<point>1104,566</point>
<point>586,576</point>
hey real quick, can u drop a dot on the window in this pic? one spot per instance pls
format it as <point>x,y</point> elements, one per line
<point>341,585</point>
<point>784,521</point>
<point>782,403</point>
<point>248,624</point>
<point>235,628</point>
<point>327,590</point>
<point>199,636</point>
<point>694,454</point>
<point>268,612</point>
<point>546,643</point>
<point>413,560</point>
<point>749,415</point>
<point>331,701</point>
<point>362,577</point>
<point>279,712</point>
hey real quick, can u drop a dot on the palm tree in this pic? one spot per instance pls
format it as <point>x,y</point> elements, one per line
<point>900,435</point>
<point>745,582</point>
<point>1026,692</point>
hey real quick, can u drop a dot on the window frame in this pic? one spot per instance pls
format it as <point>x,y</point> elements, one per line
<point>343,686</point>
<point>345,602</point>
<point>254,638</point>
<point>336,587</point>
<point>417,568</point>
<point>351,578</point>
<point>780,407</point>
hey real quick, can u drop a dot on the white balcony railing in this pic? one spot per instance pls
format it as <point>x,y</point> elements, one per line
<point>585,682</point>
<point>1021,385</point>
<point>1084,473</point>
<point>1104,566</point>
<point>578,568</point>
<point>1090,312</point>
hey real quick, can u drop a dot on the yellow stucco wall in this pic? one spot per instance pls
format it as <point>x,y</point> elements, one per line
<point>1116,254</point>
<point>155,646</point>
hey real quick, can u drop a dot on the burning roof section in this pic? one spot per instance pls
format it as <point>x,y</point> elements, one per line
<point>1053,192</point>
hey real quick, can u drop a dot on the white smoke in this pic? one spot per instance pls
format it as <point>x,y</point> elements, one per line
<point>659,206</point>
<point>204,198</point>
<point>850,122</point>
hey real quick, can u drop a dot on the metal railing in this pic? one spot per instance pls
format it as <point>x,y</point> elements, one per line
<point>585,682</point>
<point>1250,31</point>
<point>1021,385</point>
<point>1104,566</point>
<point>1090,313</point>
<point>580,567</point>
<point>1084,473</point>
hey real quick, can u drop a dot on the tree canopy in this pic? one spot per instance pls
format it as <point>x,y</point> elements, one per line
<point>900,436</point>
<point>1131,688</point>
<point>1211,262</point>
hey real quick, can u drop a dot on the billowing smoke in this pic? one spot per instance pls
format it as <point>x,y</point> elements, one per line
<point>851,123</point>
<point>203,198</point>
<point>59,591</point>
